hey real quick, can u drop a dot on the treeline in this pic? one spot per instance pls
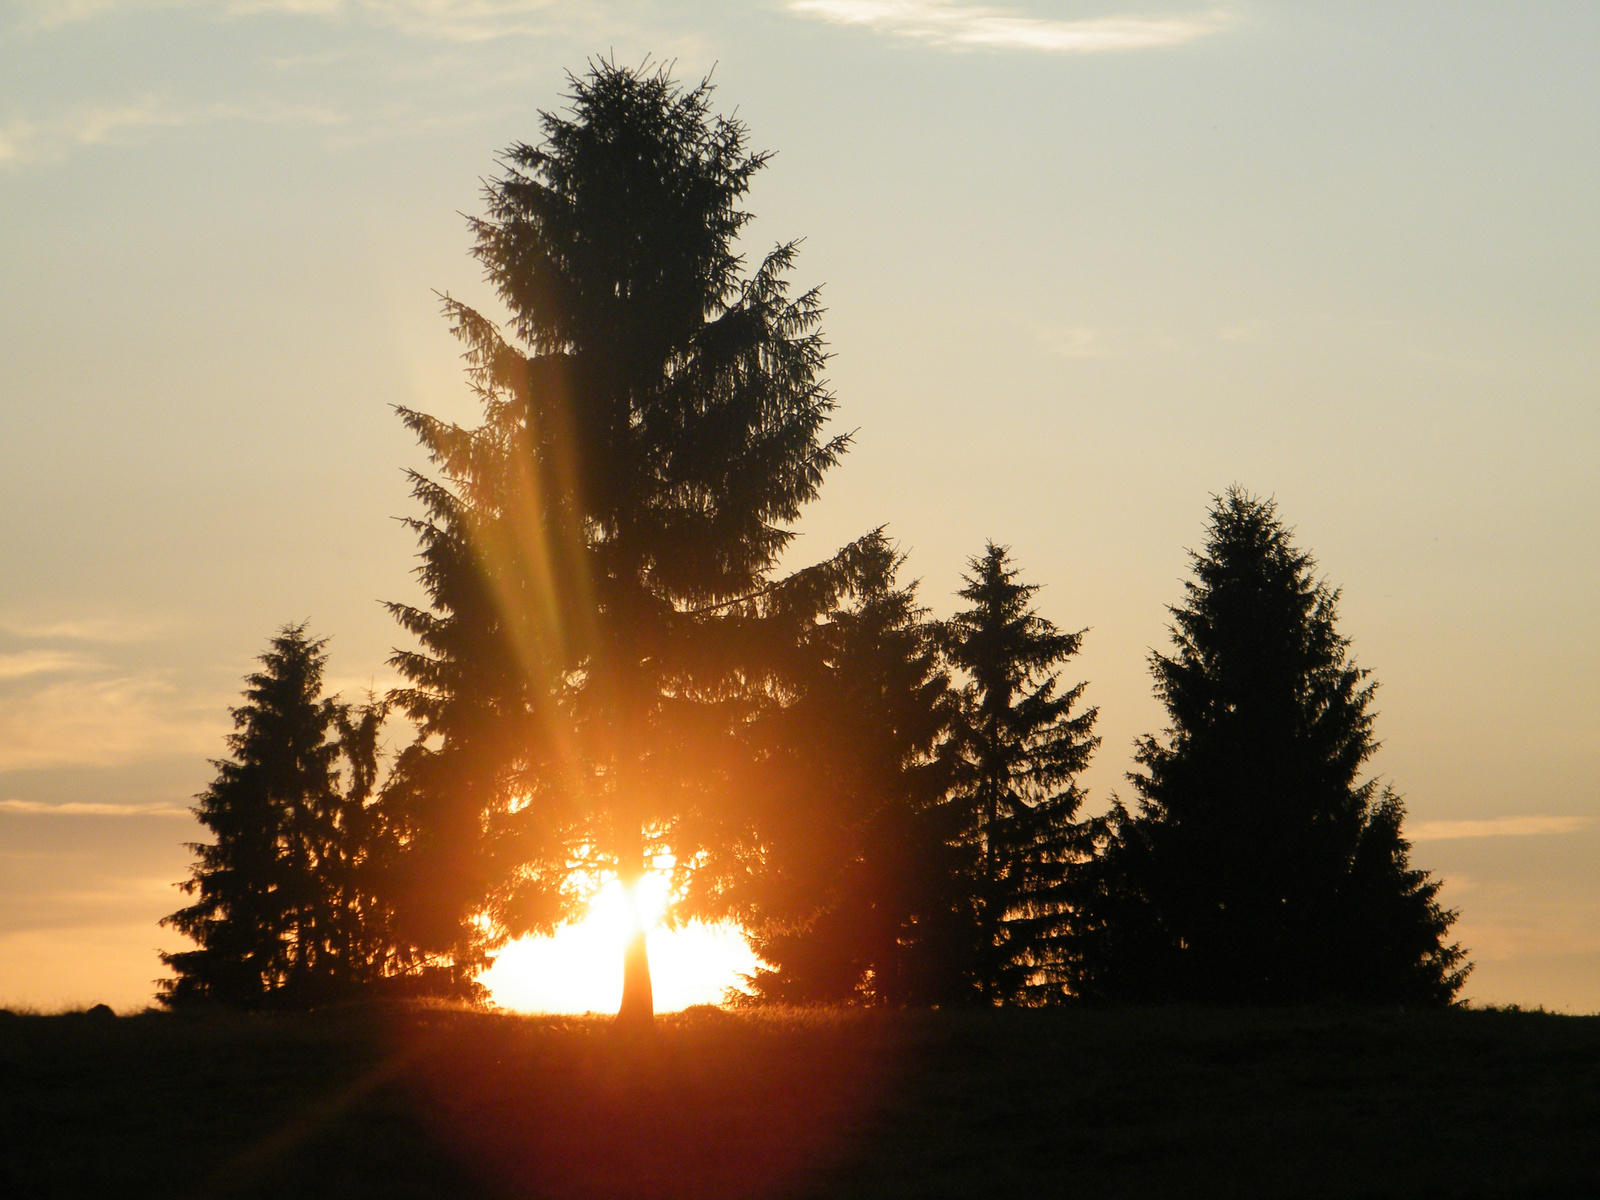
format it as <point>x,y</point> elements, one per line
<point>611,678</point>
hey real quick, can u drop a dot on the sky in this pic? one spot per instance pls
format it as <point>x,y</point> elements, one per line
<point>1086,264</point>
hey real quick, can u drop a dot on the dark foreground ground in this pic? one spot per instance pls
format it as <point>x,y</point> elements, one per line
<point>417,1101</point>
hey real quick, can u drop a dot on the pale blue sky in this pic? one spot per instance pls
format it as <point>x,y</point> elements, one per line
<point>1085,264</point>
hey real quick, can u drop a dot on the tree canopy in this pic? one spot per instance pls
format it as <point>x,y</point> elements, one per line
<point>856,891</point>
<point>286,910</point>
<point>1259,866</point>
<point>1021,747</point>
<point>653,423</point>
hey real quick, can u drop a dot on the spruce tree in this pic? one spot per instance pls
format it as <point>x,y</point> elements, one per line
<point>861,890</point>
<point>1021,747</point>
<point>597,550</point>
<point>1259,866</point>
<point>285,912</point>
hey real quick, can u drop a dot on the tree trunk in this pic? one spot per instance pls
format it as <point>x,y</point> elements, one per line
<point>638,999</point>
<point>989,917</point>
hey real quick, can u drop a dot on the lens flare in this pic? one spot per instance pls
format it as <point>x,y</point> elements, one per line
<point>618,910</point>
<point>579,968</point>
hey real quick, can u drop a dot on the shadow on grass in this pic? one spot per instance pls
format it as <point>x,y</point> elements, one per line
<point>414,1100</point>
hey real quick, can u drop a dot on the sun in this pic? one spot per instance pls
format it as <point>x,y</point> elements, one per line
<point>579,968</point>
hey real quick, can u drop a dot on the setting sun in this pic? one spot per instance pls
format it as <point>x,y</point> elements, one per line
<point>579,969</point>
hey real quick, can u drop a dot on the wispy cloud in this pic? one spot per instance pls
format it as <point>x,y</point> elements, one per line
<point>373,89</point>
<point>75,808</point>
<point>1440,831</point>
<point>24,140</point>
<point>450,20</point>
<point>110,629</point>
<point>47,14</point>
<point>98,721</point>
<point>66,700</point>
<point>1503,929</point>
<point>39,662</point>
<point>1074,341</point>
<point>453,20</point>
<point>943,23</point>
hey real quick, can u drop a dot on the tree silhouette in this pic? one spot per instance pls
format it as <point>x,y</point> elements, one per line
<point>1021,747</point>
<point>285,911</point>
<point>860,893</point>
<point>594,552</point>
<point>1259,868</point>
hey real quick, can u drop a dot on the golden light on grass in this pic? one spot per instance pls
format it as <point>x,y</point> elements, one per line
<point>579,969</point>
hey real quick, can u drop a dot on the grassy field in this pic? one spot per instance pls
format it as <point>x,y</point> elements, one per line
<point>419,1101</point>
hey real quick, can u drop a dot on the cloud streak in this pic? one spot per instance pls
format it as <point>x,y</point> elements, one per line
<point>447,20</point>
<point>1531,826</point>
<point>76,808</point>
<point>24,141</point>
<point>954,25</point>
<point>38,662</point>
<point>452,20</point>
<point>1074,341</point>
<point>85,629</point>
<point>103,722</point>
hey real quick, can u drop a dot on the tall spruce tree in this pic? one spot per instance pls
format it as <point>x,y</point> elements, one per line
<point>285,910</point>
<point>1259,866</point>
<point>596,550</point>
<point>1021,747</point>
<point>861,889</point>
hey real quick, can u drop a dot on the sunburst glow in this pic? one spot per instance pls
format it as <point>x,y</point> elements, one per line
<point>579,969</point>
